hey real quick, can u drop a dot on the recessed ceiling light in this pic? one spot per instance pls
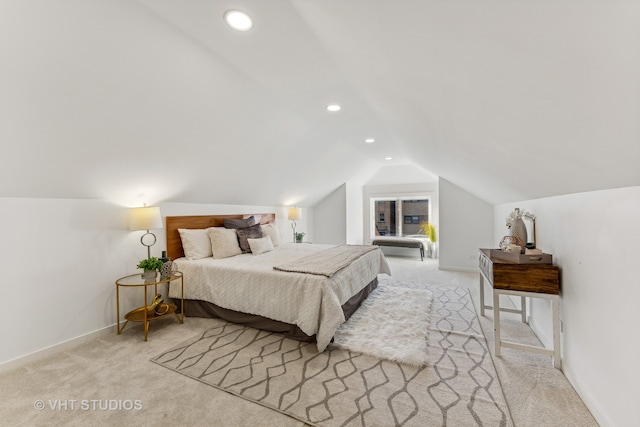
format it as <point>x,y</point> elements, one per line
<point>238,20</point>
<point>369,140</point>
<point>388,158</point>
<point>333,107</point>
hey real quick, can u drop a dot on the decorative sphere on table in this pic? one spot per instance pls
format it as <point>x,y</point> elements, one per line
<point>167,269</point>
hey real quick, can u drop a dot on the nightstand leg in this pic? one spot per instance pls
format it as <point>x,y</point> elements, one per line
<point>118,330</point>
<point>146,321</point>
<point>182,299</point>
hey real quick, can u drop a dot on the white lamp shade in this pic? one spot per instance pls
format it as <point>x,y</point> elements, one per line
<point>294,214</point>
<point>145,218</point>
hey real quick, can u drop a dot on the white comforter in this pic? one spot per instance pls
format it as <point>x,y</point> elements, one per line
<point>248,283</point>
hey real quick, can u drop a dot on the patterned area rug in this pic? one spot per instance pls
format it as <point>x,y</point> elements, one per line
<point>458,387</point>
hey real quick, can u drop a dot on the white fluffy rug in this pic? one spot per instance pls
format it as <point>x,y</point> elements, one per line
<point>392,323</point>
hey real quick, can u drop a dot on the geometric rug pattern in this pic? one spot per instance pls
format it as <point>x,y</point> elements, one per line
<point>458,387</point>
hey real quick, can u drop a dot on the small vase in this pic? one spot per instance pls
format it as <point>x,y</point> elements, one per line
<point>433,250</point>
<point>518,229</point>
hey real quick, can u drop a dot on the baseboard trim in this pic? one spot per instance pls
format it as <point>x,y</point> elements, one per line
<point>600,416</point>
<point>56,348</point>
<point>589,401</point>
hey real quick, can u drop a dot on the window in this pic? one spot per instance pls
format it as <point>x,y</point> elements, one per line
<point>413,211</point>
<point>415,219</point>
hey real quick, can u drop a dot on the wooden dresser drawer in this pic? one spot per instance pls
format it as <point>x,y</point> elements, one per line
<point>544,279</point>
<point>540,278</point>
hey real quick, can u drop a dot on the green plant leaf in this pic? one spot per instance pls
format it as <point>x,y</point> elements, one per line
<point>150,264</point>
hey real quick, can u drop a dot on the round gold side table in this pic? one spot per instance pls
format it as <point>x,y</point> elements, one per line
<point>141,314</point>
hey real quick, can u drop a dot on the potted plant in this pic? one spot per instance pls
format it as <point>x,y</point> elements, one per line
<point>150,266</point>
<point>430,231</point>
<point>299,237</point>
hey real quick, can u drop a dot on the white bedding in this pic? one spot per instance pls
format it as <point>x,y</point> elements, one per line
<point>248,283</point>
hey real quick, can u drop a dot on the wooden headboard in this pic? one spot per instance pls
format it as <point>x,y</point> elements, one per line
<point>174,244</point>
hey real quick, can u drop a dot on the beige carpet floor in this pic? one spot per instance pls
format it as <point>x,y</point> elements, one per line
<point>111,381</point>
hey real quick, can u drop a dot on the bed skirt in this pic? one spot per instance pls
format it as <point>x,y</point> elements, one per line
<point>198,308</point>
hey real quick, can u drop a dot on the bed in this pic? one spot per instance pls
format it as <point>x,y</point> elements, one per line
<point>272,290</point>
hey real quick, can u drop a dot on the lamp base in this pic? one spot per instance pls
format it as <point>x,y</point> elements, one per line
<point>148,245</point>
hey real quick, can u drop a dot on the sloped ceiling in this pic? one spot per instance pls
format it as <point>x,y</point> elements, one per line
<point>160,100</point>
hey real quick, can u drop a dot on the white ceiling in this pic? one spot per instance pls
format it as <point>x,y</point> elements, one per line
<point>160,100</point>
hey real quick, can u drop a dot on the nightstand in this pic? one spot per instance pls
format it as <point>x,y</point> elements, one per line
<point>141,314</point>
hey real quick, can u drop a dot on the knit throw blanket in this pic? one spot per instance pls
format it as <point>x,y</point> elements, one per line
<point>327,262</point>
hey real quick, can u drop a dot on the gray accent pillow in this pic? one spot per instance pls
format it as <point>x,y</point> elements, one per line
<point>239,223</point>
<point>253,232</point>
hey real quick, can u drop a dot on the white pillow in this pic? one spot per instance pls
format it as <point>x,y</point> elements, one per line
<point>195,242</point>
<point>272,231</point>
<point>224,242</point>
<point>261,245</point>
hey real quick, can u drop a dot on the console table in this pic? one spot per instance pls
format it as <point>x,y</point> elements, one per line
<point>523,280</point>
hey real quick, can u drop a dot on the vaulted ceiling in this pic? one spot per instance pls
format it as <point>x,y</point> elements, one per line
<point>160,100</point>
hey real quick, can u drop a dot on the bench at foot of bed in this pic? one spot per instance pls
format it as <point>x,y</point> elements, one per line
<point>402,242</point>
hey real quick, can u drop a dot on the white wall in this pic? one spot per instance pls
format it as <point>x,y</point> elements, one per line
<point>466,225</point>
<point>354,213</point>
<point>62,257</point>
<point>330,225</point>
<point>593,238</point>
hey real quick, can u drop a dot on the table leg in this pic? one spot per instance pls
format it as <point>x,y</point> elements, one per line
<point>481,295</point>
<point>182,299</point>
<point>118,309</point>
<point>555,307</point>
<point>496,321</point>
<point>523,309</point>
<point>146,321</point>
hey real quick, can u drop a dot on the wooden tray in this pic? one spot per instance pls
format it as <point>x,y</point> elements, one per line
<point>521,258</point>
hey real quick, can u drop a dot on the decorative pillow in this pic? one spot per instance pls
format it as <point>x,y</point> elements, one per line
<point>253,232</point>
<point>195,242</point>
<point>259,246</point>
<point>224,242</point>
<point>240,223</point>
<point>272,231</point>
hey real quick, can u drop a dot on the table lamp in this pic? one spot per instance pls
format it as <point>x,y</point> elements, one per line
<point>294,214</point>
<point>146,218</point>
